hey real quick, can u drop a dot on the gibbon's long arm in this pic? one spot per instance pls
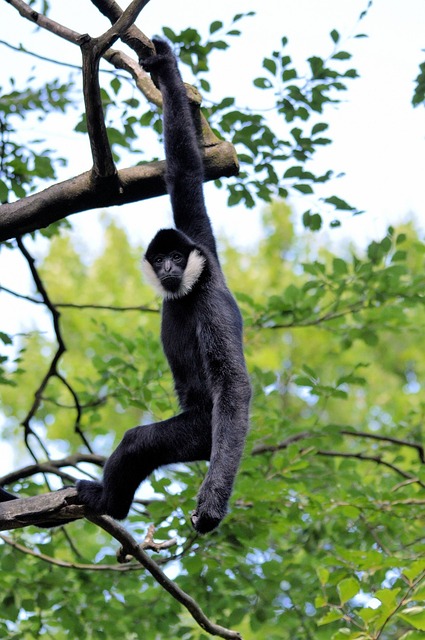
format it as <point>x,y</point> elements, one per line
<point>185,172</point>
<point>219,324</point>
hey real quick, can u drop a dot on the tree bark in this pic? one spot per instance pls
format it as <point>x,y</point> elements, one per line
<point>45,510</point>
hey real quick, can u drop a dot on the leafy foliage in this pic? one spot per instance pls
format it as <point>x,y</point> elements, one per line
<point>313,546</point>
<point>22,166</point>
<point>325,536</point>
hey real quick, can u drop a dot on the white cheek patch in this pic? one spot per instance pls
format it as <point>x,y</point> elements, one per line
<point>191,274</point>
<point>152,278</point>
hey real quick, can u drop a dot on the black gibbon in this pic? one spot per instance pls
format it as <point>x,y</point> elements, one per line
<point>201,335</point>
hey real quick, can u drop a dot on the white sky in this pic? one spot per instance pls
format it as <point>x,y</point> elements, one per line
<point>378,139</point>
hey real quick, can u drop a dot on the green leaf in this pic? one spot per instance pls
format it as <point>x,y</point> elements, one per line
<point>415,616</point>
<point>312,221</point>
<point>323,575</point>
<point>293,172</point>
<point>340,267</point>
<point>5,338</point>
<point>270,65</point>
<point>304,188</point>
<point>347,589</point>
<point>342,55</point>
<point>412,635</point>
<point>169,34</point>
<point>388,597</point>
<point>319,127</point>
<point>399,256</point>
<point>415,569</point>
<point>331,616</point>
<point>335,35</point>
<point>215,26</point>
<point>262,83</point>
<point>339,204</point>
<point>289,74</point>
<point>116,85</point>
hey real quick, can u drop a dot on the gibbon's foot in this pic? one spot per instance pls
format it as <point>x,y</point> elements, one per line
<point>91,494</point>
<point>211,507</point>
<point>204,523</point>
<point>208,514</point>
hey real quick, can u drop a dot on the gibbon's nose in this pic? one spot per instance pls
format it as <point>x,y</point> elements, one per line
<point>167,265</point>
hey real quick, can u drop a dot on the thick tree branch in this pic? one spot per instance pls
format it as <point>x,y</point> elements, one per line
<point>41,510</point>
<point>103,163</point>
<point>81,194</point>
<point>42,21</point>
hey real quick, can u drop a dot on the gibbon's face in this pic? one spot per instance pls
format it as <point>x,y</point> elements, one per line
<point>169,269</point>
<point>172,264</point>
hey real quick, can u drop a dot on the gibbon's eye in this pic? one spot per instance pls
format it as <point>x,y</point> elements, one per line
<point>158,259</point>
<point>176,257</point>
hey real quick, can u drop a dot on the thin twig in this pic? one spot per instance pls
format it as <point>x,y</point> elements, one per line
<point>53,370</point>
<point>262,448</point>
<point>69,565</point>
<point>52,466</point>
<point>373,436</point>
<point>376,459</point>
<point>402,602</point>
<point>75,305</point>
<point>69,65</point>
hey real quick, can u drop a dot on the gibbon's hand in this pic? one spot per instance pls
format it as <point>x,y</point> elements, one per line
<point>163,59</point>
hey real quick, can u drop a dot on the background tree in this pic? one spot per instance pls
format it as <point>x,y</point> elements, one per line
<point>325,536</point>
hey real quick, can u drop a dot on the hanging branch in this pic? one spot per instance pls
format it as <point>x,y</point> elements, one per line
<point>64,505</point>
<point>132,548</point>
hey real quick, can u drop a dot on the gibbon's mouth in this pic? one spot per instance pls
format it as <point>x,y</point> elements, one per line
<point>171,283</point>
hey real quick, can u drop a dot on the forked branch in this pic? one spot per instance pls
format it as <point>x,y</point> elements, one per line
<point>104,186</point>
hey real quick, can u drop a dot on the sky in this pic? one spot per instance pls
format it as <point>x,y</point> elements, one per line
<point>378,138</point>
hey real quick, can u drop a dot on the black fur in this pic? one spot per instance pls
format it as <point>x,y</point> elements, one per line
<point>201,335</point>
<point>5,496</point>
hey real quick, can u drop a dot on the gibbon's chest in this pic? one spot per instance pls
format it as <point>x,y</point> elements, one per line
<point>180,333</point>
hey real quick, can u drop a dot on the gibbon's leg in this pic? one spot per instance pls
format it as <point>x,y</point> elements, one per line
<point>183,438</point>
